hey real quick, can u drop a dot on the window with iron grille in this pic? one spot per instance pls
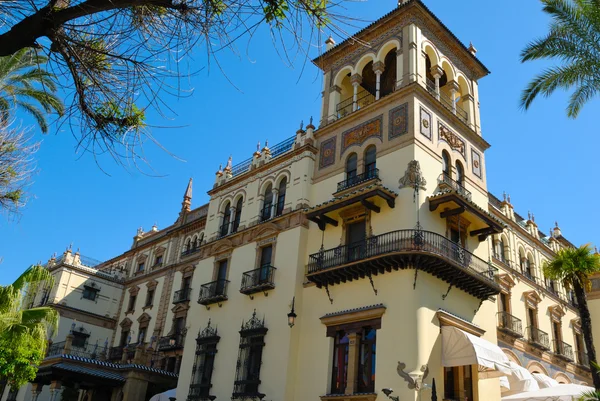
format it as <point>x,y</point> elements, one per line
<point>90,293</point>
<point>206,350</point>
<point>252,342</point>
<point>80,338</point>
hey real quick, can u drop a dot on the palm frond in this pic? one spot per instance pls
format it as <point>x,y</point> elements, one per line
<point>36,113</point>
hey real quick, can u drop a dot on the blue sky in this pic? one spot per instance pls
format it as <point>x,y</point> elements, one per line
<point>546,161</point>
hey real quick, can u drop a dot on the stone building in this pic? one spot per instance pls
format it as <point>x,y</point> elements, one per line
<point>362,255</point>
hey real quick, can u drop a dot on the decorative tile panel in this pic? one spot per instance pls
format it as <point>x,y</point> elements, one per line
<point>455,142</point>
<point>398,121</point>
<point>476,163</point>
<point>327,152</point>
<point>359,134</point>
<point>425,122</point>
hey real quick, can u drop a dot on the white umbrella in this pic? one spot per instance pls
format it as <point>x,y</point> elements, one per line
<point>544,381</point>
<point>164,396</point>
<point>562,392</point>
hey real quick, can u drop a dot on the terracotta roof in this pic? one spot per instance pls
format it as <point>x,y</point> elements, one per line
<point>347,195</point>
<point>362,308</point>
<point>444,192</point>
<point>104,374</point>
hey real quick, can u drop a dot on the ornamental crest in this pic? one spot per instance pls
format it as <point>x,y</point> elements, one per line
<point>254,323</point>
<point>452,139</point>
<point>413,176</point>
<point>208,331</point>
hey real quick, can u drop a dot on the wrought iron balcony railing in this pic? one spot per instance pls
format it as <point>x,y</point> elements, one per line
<point>176,341</point>
<point>182,295</point>
<point>347,106</point>
<point>190,251</point>
<point>510,323</point>
<point>528,274</point>
<point>213,292</point>
<point>200,392</point>
<point>258,280</point>
<point>358,179</point>
<point>397,249</point>
<point>115,353</point>
<point>500,258</point>
<point>582,359</point>
<point>224,229</point>
<point>563,349</point>
<point>538,337</point>
<point>445,181</point>
<point>448,103</point>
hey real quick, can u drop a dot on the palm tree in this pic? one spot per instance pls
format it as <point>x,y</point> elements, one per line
<point>573,40</point>
<point>25,85</point>
<point>24,331</point>
<point>573,266</point>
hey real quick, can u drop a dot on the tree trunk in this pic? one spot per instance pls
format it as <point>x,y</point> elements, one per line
<point>586,328</point>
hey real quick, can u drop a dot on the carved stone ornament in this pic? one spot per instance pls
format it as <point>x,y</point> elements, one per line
<point>414,380</point>
<point>413,176</point>
<point>452,139</point>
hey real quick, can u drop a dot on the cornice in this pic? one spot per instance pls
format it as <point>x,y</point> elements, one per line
<point>85,314</point>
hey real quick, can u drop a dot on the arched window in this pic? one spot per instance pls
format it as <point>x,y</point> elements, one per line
<point>238,214</point>
<point>370,162</point>
<point>500,251</point>
<point>460,173</point>
<point>188,245</point>
<point>267,204</point>
<point>226,220</point>
<point>281,197</point>
<point>446,164</point>
<point>351,163</point>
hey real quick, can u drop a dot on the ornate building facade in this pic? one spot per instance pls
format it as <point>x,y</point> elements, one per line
<point>363,255</point>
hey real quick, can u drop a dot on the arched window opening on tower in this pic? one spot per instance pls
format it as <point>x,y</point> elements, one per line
<point>225,223</point>
<point>370,162</point>
<point>238,215</point>
<point>460,174</point>
<point>389,78</point>
<point>351,165</point>
<point>446,164</point>
<point>281,197</point>
<point>267,204</point>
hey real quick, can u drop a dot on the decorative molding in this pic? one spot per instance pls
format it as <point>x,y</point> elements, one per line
<point>556,312</point>
<point>134,290</point>
<point>425,123</point>
<point>447,319</point>
<point>152,284</point>
<point>126,323</point>
<point>398,121</point>
<point>532,299</point>
<point>413,176</point>
<point>414,380</point>
<point>353,319</point>
<point>476,163</point>
<point>356,136</point>
<point>453,140</point>
<point>327,152</point>
<point>506,282</point>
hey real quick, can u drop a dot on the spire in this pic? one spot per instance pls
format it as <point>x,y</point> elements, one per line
<point>187,197</point>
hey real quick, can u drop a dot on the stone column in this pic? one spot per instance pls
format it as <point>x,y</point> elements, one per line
<point>411,32</point>
<point>453,85</point>
<point>36,389</point>
<point>468,103</point>
<point>334,100</point>
<point>231,220</point>
<point>378,69</point>
<point>139,354</point>
<point>68,344</point>
<point>356,80</point>
<point>437,73</point>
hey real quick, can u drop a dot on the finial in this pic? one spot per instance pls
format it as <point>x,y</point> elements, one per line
<point>595,249</point>
<point>208,325</point>
<point>472,49</point>
<point>508,197</point>
<point>229,163</point>
<point>504,195</point>
<point>301,124</point>
<point>556,224</point>
<point>533,217</point>
<point>70,246</point>
<point>528,215</point>
<point>267,143</point>
<point>258,150</point>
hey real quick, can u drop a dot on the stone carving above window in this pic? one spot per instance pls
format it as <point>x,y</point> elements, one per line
<point>452,139</point>
<point>413,176</point>
<point>359,134</point>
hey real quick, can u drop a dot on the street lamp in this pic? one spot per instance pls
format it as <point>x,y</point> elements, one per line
<point>292,315</point>
<point>388,392</point>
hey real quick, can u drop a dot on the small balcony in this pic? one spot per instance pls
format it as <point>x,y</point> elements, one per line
<point>115,353</point>
<point>446,182</point>
<point>171,343</point>
<point>582,359</point>
<point>510,324</point>
<point>538,338</point>
<point>213,292</point>
<point>350,182</point>
<point>563,350</point>
<point>404,249</point>
<point>529,275</point>
<point>447,102</point>
<point>349,106</point>
<point>501,259</point>
<point>258,280</point>
<point>190,251</point>
<point>182,295</point>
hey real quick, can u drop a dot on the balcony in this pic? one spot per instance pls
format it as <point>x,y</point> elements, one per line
<point>538,338</point>
<point>582,359</point>
<point>182,295</point>
<point>500,258</point>
<point>358,179</point>
<point>455,199</point>
<point>563,350</point>
<point>171,343</point>
<point>115,353</point>
<point>404,249</point>
<point>510,324</point>
<point>447,102</point>
<point>213,292</point>
<point>348,106</point>
<point>529,275</point>
<point>190,251</point>
<point>258,280</point>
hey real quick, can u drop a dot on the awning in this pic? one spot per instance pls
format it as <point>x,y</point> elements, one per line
<point>562,392</point>
<point>544,381</point>
<point>460,348</point>
<point>520,380</point>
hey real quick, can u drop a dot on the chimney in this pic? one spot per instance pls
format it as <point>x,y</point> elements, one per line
<point>329,43</point>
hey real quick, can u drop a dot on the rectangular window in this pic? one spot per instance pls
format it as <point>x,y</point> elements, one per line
<point>90,293</point>
<point>366,362</point>
<point>179,325</point>
<point>247,377</point>
<point>206,350</point>
<point>142,335</point>
<point>185,283</point>
<point>339,377</point>
<point>131,305</point>
<point>149,297</point>
<point>158,260</point>
<point>124,338</point>
<point>355,240</point>
<point>79,339</point>
<point>504,303</point>
<point>364,376</point>
<point>458,383</point>
<point>221,278</point>
<point>266,255</point>
<point>531,316</point>
<point>141,267</point>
